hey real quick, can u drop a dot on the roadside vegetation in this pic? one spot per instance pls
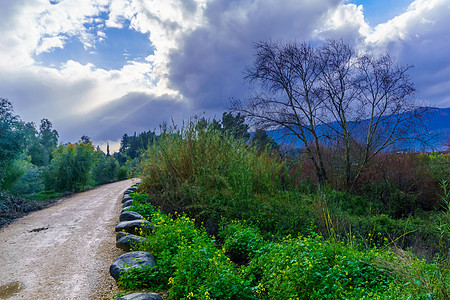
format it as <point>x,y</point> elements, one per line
<point>238,221</point>
<point>35,170</point>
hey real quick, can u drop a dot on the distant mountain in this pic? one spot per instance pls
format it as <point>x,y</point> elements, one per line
<point>440,121</point>
<point>437,122</point>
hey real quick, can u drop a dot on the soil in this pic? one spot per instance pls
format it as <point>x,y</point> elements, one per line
<point>64,251</point>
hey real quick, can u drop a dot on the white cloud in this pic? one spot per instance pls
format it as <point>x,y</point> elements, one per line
<point>419,19</point>
<point>345,22</point>
<point>50,43</point>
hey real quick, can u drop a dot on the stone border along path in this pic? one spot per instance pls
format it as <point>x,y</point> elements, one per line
<point>63,251</point>
<point>128,231</point>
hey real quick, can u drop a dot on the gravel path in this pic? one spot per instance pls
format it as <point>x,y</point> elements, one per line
<point>64,251</point>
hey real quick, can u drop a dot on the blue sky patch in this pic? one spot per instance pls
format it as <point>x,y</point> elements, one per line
<point>113,52</point>
<point>381,11</point>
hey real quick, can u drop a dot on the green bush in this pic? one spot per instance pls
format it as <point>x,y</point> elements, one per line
<point>387,198</point>
<point>14,171</point>
<point>204,272</point>
<point>311,268</point>
<point>104,169</point>
<point>241,241</point>
<point>142,205</point>
<point>30,183</point>
<point>70,168</point>
<point>169,234</point>
<point>134,278</point>
<point>122,173</point>
<point>210,175</point>
<point>190,265</point>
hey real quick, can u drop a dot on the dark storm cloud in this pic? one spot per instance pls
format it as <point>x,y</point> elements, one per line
<point>208,66</point>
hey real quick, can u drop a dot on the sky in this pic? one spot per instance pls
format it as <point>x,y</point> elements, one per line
<point>103,68</point>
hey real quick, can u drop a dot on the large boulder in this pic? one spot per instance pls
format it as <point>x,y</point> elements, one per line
<point>137,259</point>
<point>128,203</point>
<point>126,198</point>
<point>129,241</point>
<point>141,296</point>
<point>129,216</point>
<point>134,227</point>
<point>131,190</point>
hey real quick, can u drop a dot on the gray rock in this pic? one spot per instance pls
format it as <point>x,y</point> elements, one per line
<point>134,227</point>
<point>128,203</point>
<point>131,190</point>
<point>126,198</point>
<point>120,235</point>
<point>126,209</point>
<point>129,240</point>
<point>129,260</point>
<point>129,216</point>
<point>141,296</point>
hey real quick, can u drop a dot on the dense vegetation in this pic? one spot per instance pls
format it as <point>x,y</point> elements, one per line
<point>235,221</point>
<point>34,169</point>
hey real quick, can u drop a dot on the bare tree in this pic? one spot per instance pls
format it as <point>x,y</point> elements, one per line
<point>329,94</point>
<point>389,113</point>
<point>290,75</point>
<point>340,97</point>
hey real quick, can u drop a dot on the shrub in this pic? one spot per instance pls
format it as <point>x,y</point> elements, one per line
<point>135,278</point>
<point>142,205</point>
<point>29,183</point>
<point>169,234</point>
<point>122,173</point>
<point>14,171</point>
<point>70,168</point>
<point>191,266</point>
<point>401,182</point>
<point>241,241</point>
<point>204,272</point>
<point>104,169</point>
<point>188,263</point>
<point>208,174</point>
<point>310,268</point>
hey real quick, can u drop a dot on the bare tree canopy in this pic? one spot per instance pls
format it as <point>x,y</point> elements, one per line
<point>331,97</point>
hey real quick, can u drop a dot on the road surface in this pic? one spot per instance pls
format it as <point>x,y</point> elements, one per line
<point>64,251</point>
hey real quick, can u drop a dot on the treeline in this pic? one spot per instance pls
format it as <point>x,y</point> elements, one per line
<point>133,146</point>
<point>34,166</point>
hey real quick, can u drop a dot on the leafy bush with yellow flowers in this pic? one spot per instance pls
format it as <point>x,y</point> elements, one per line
<point>241,241</point>
<point>194,265</point>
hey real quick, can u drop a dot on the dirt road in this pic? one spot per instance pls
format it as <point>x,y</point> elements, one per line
<point>64,251</point>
